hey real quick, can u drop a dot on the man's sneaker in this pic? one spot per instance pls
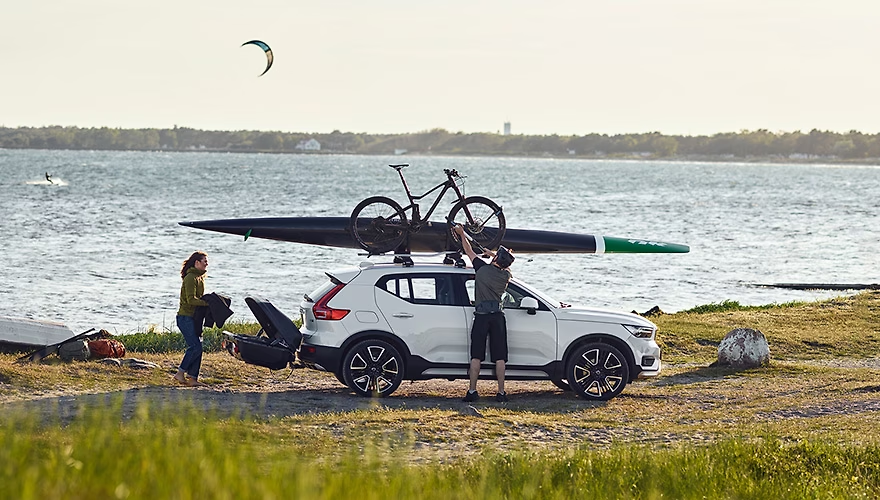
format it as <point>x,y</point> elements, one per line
<point>501,397</point>
<point>471,396</point>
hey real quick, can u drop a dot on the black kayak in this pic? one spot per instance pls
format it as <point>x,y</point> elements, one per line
<point>433,237</point>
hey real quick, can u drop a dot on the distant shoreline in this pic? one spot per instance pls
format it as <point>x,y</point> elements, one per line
<point>758,146</point>
<point>821,160</point>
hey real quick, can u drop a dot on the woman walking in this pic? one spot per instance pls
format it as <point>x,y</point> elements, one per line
<point>191,290</point>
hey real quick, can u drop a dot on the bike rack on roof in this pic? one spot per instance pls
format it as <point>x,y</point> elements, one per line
<point>449,258</point>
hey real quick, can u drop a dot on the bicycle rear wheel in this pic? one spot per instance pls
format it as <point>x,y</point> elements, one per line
<point>482,219</point>
<point>378,224</point>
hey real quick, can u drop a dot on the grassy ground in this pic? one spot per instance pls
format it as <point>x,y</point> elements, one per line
<point>846,327</point>
<point>806,426</point>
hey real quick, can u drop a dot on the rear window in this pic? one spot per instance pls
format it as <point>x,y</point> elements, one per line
<point>319,292</point>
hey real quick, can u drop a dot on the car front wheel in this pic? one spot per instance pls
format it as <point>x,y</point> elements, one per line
<point>373,368</point>
<point>597,371</point>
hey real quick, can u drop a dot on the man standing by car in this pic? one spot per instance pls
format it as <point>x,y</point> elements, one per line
<point>490,283</point>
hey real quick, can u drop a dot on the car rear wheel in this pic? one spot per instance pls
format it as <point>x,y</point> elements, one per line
<point>597,371</point>
<point>373,368</point>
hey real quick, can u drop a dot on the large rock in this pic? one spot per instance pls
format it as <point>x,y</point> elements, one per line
<point>743,348</point>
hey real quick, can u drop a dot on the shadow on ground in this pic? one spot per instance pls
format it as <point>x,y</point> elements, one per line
<point>289,401</point>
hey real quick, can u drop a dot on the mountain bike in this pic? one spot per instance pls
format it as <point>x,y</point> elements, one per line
<point>379,224</point>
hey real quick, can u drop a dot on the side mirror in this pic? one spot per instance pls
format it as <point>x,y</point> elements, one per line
<point>530,304</point>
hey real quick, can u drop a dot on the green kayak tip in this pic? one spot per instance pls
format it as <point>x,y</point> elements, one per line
<point>634,245</point>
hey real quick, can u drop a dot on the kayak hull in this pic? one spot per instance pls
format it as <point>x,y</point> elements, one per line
<point>433,237</point>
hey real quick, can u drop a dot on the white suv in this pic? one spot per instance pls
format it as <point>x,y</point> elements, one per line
<point>376,325</point>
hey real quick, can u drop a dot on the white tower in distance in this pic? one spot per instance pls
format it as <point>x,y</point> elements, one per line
<point>506,128</point>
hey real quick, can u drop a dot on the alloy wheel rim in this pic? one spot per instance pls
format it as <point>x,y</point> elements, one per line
<point>598,372</point>
<point>373,369</point>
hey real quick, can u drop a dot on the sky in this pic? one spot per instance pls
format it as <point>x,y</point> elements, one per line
<point>682,67</point>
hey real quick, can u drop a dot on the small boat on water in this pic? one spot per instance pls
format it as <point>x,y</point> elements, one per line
<point>25,334</point>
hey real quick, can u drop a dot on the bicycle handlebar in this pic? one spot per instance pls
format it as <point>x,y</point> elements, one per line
<point>453,173</point>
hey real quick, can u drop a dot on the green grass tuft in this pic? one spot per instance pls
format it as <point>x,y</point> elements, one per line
<point>168,341</point>
<point>733,305</point>
<point>157,341</point>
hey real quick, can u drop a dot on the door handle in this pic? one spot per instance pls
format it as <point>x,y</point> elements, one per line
<point>402,315</point>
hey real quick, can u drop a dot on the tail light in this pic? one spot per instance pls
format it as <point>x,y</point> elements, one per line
<point>323,311</point>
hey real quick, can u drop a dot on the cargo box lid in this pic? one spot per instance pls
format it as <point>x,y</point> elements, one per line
<point>274,322</point>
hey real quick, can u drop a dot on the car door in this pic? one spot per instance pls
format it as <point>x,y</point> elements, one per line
<point>422,310</point>
<point>531,339</point>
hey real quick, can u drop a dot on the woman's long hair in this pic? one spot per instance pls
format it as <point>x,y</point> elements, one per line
<point>190,262</point>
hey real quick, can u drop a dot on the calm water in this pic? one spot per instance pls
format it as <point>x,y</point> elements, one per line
<point>104,249</point>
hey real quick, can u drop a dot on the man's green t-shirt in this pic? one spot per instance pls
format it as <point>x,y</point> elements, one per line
<point>490,283</point>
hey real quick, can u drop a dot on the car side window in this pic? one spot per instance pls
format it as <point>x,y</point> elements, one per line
<point>514,296</point>
<point>424,290</point>
<point>511,299</point>
<point>469,286</point>
<point>428,290</point>
<point>399,287</point>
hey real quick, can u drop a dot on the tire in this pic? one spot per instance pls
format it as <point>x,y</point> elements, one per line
<point>488,225</point>
<point>373,368</point>
<point>561,383</point>
<point>378,224</point>
<point>597,371</point>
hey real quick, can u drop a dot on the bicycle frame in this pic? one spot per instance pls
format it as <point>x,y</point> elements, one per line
<point>413,206</point>
<point>379,224</point>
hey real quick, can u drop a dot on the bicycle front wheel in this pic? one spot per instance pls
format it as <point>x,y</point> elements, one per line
<point>378,224</point>
<point>482,219</point>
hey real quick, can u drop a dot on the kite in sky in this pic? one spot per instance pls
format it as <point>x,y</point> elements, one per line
<point>266,49</point>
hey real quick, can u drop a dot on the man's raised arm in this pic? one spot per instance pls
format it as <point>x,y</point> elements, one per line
<point>465,243</point>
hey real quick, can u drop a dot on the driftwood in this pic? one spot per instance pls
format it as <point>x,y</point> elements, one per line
<point>129,363</point>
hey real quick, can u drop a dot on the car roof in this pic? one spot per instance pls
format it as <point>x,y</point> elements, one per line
<point>347,274</point>
<point>417,267</point>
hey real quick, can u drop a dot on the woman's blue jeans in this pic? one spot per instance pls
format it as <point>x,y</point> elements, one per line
<point>192,358</point>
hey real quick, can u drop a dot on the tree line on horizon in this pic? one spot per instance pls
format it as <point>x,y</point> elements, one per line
<point>852,145</point>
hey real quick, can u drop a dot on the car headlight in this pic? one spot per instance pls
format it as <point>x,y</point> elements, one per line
<point>642,332</point>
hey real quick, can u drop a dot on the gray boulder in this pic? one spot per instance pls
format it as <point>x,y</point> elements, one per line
<point>743,348</point>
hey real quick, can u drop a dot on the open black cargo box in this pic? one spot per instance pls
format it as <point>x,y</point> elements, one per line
<point>274,350</point>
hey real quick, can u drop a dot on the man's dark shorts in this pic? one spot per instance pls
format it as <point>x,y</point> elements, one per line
<point>495,327</point>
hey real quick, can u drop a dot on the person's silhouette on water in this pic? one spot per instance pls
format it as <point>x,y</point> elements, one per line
<point>49,178</point>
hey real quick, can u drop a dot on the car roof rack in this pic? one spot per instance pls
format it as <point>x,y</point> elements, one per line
<point>449,258</point>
